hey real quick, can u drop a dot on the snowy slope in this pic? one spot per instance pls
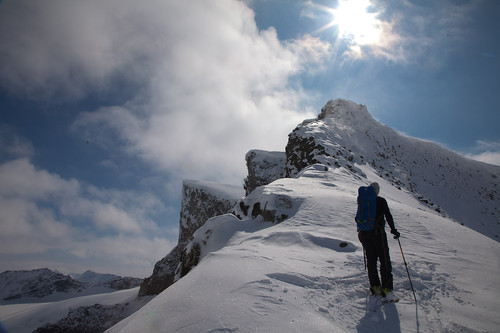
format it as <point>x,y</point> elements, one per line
<point>256,276</point>
<point>345,134</point>
<point>20,318</point>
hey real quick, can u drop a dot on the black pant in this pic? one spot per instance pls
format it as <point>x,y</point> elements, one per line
<point>376,248</point>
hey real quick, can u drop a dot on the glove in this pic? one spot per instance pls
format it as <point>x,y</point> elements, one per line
<point>396,233</point>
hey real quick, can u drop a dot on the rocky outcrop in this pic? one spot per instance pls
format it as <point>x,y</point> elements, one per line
<point>264,167</point>
<point>261,203</point>
<point>121,283</point>
<point>163,273</point>
<point>200,202</point>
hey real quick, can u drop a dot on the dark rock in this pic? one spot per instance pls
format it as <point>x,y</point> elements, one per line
<point>200,202</point>
<point>264,167</point>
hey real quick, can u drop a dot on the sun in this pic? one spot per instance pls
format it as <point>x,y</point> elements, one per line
<point>355,21</point>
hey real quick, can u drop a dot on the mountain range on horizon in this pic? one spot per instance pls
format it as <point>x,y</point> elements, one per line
<point>44,285</point>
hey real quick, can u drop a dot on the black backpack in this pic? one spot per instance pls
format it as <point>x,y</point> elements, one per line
<point>367,208</point>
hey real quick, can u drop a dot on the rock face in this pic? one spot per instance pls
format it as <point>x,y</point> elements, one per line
<point>264,167</point>
<point>200,202</point>
<point>346,135</point>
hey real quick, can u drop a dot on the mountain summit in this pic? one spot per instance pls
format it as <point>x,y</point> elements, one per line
<point>346,135</point>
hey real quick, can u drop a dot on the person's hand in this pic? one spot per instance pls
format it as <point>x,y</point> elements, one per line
<point>396,233</point>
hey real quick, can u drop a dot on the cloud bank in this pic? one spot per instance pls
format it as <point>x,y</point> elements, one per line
<point>212,86</point>
<point>486,151</point>
<point>42,213</point>
<point>200,85</point>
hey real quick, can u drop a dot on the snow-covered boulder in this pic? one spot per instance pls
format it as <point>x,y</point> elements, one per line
<point>264,167</point>
<point>200,201</point>
<point>346,135</point>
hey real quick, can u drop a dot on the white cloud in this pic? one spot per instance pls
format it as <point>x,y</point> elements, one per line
<point>42,212</point>
<point>486,151</point>
<point>210,86</point>
<point>20,179</point>
<point>220,87</point>
<point>487,157</point>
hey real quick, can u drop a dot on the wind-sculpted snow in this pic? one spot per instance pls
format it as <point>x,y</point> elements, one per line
<point>306,273</point>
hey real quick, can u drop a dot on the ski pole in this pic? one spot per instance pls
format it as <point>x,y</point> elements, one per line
<point>364,256</point>
<point>407,272</point>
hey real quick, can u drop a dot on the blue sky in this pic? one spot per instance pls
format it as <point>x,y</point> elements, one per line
<point>106,106</point>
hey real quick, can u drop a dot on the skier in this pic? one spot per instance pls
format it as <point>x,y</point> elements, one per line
<point>377,249</point>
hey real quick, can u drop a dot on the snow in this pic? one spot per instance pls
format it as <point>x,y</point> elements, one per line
<point>294,276</point>
<point>22,318</point>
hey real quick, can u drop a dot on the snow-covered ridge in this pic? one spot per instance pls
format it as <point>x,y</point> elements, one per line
<point>346,135</point>
<point>74,313</point>
<point>94,278</point>
<point>31,299</point>
<point>45,285</point>
<point>16,286</point>
<point>306,273</point>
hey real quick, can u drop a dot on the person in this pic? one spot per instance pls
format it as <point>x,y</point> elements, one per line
<point>377,249</point>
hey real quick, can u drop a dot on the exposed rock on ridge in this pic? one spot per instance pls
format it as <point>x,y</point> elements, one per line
<point>264,167</point>
<point>200,201</point>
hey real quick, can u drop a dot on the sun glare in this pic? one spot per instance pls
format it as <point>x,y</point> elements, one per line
<point>355,22</point>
